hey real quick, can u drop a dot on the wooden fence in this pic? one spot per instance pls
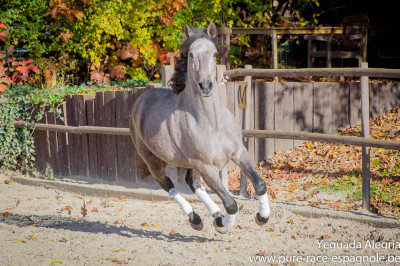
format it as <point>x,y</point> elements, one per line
<point>109,157</point>
<point>320,107</point>
<point>308,107</point>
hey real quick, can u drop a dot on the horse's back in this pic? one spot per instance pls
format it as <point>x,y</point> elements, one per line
<point>151,108</point>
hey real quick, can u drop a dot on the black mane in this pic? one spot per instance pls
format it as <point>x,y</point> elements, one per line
<point>178,79</point>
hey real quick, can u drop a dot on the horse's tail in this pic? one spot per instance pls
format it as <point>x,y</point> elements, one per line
<point>142,168</point>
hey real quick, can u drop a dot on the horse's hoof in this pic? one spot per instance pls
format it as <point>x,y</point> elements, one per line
<point>195,221</point>
<point>219,226</point>
<point>215,215</point>
<point>197,227</point>
<point>261,220</point>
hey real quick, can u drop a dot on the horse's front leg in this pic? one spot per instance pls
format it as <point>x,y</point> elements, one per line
<point>243,159</point>
<point>211,176</point>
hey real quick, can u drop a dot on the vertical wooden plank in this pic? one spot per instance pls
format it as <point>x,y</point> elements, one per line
<point>38,145</point>
<point>82,121</point>
<point>283,101</point>
<point>62,141</point>
<point>250,113</point>
<point>131,153</point>
<point>92,139</point>
<point>230,104</point>
<point>221,85</point>
<point>270,116</point>
<point>397,89</point>
<point>111,143</point>
<point>391,96</point>
<point>260,119</point>
<point>54,159</point>
<point>384,95</point>
<point>322,119</point>
<point>74,140</point>
<point>238,112</point>
<point>374,99</point>
<point>302,108</point>
<point>125,148</point>
<point>230,97</point>
<point>43,137</point>
<point>101,138</point>
<point>355,104</point>
<point>166,74</point>
<point>340,105</point>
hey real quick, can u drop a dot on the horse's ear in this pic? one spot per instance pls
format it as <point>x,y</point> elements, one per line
<point>186,32</point>
<point>212,30</point>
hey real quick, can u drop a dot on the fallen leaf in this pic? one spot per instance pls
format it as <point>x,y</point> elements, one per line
<point>270,230</point>
<point>95,210</point>
<point>58,197</point>
<point>63,240</point>
<point>118,211</point>
<point>33,237</point>
<point>116,261</point>
<point>145,224</point>
<point>155,225</point>
<point>8,181</point>
<point>83,209</point>
<point>6,214</point>
<point>56,262</point>
<point>119,250</point>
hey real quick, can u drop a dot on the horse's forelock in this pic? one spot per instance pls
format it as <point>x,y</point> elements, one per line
<point>178,79</point>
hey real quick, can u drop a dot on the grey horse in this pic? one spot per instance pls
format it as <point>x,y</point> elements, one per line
<point>188,126</point>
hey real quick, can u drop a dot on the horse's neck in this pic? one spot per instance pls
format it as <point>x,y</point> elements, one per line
<point>205,109</point>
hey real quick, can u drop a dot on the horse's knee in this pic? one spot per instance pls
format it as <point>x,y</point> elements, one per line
<point>259,184</point>
<point>231,206</point>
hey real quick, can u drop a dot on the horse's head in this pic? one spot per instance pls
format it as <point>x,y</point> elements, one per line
<point>196,64</point>
<point>201,61</point>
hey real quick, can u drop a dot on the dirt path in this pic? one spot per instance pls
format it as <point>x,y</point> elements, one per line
<point>41,226</point>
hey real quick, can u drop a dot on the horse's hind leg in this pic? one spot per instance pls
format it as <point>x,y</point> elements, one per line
<point>157,169</point>
<point>243,159</point>
<point>193,180</point>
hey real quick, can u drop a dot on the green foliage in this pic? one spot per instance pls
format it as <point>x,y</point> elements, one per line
<point>16,145</point>
<point>120,39</point>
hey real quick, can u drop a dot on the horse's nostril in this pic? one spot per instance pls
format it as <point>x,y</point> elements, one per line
<point>205,85</point>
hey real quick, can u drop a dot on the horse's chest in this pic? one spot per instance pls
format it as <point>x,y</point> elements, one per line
<point>213,147</point>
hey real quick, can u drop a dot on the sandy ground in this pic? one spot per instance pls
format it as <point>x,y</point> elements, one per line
<point>41,226</point>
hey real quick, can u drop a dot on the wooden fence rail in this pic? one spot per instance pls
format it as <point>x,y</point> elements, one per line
<point>385,144</point>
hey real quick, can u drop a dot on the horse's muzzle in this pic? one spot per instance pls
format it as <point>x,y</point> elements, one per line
<point>206,88</point>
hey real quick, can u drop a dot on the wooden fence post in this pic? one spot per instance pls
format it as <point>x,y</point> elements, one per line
<point>245,122</point>
<point>366,178</point>
<point>166,74</point>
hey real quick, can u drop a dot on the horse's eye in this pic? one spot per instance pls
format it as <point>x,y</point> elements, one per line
<point>191,55</point>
